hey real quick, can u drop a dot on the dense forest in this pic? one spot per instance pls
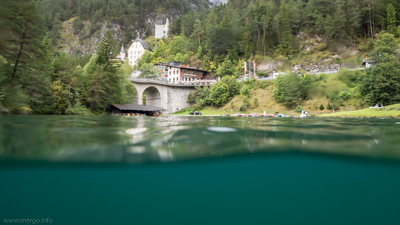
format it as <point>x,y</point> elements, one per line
<point>131,15</point>
<point>36,78</point>
<point>244,28</point>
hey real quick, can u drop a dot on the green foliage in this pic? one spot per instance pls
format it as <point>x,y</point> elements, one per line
<point>350,78</point>
<point>381,84</point>
<point>245,102</point>
<point>255,103</point>
<point>77,25</point>
<point>149,71</point>
<point>290,89</point>
<point>11,97</point>
<point>293,91</point>
<point>144,99</point>
<point>321,107</point>
<point>232,104</point>
<point>322,47</point>
<point>391,19</point>
<point>329,106</point>
<point>384,47</point>
<point>315,105</point>
<point>298,109</point>
<point>366,46</point>
<point>245,91</point>
<point>280,89</point>
<point>219,94</point>
<point>76,109</point>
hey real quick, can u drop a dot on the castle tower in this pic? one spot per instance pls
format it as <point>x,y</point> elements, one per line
<point>166,28</point>
<point>122,53</point>
<point>162,30</point>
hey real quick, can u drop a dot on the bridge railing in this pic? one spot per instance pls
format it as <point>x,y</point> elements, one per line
<point>179,83</point>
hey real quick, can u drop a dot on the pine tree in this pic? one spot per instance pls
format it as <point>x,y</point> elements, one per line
<point>284,30</point>
<point>391,19</point>
<point>198,30</point>
<point>339,20</point>
<point>329,106</point>
<point>105,82</point>
<point>354,15</point>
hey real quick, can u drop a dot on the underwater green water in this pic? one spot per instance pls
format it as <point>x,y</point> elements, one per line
<point>199,170</point>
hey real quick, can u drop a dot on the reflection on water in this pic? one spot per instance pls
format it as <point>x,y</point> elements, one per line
<point>287,185</point>
<point>169,138</point>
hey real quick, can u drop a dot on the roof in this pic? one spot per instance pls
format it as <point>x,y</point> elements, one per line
<point>136,107</point>
<point>182,67</point>
<point>145,45</point>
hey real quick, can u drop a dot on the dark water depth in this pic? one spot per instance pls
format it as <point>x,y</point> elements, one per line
<point>199,170</point>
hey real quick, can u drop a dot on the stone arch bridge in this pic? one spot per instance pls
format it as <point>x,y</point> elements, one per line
<point>170,96</point>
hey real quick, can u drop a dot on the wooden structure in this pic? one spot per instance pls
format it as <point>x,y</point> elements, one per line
<point>119,109</point>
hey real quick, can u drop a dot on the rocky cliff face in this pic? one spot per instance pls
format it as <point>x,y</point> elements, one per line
<point>75,44</point>
<point>88,38</point>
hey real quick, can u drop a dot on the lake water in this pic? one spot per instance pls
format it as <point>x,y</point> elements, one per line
<point>199,170</point>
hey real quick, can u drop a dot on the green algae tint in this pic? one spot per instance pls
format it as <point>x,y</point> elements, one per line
<point>199,170</point>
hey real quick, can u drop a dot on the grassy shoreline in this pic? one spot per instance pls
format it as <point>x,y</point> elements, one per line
<point>387,111</point>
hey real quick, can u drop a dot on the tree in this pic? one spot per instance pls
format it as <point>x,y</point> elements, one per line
<point>321,107</point>
<point>329,106</point>
<point>219,94</point>
<point>105,85</point>
<point>381,84</point>
<point>255,102</point>
<point>245,91</point>
<point>391,19</point>
<point>198,30</point>
<point>284,30</point>
<point>384,47</point>
<point>149,71</point>
<point>293,90</point>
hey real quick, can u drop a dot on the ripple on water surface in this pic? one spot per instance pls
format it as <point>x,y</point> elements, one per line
<point>101,170</point>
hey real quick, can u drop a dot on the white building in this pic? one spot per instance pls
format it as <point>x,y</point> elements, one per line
<point>174,72</point>
<point>136,50</point>
<point>162,30</point>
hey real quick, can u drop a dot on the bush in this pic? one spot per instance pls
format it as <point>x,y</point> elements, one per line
<point>366,46</point>
<point>77,25</point>
<point>321,107</point>
<point>255,103</point>
<point>245,102</point>
<point>350,78</point>
<point>322,47</point>
<point>245,91</point>
<point>344,95</point>
<point>335,106</point>
<point>232,104</point>
<point>315,105</point>
<point>299,109</point>
<point>242,108</point>
<point>329,106</point>
<point>322,77</point>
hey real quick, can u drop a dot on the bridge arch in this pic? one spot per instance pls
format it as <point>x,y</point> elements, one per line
<point>153,96</point>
